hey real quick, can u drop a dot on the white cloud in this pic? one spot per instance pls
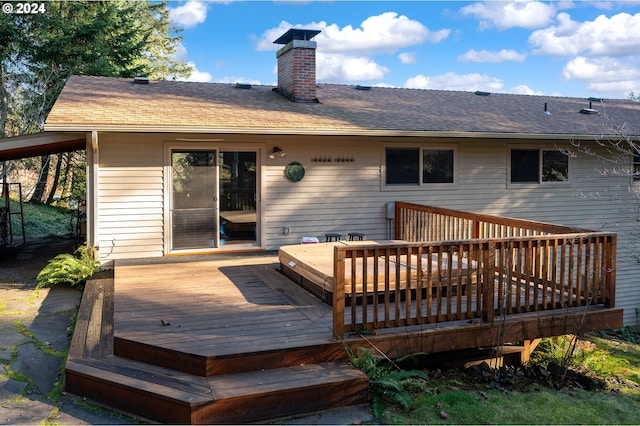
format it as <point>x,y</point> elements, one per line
<point>180,53</point>
<point>523,89</point>
<point>453,81</point>
<point>190,14</point>
<point>387,33</point>
<point>604,36</point>
<point>504,55</point>
<point>197,75</point>
<point>342,68</point>
<point>520,13</point>
<point>384,33</point>
<point>612,76</point>
<point>407,58</point>
<point>235,79</point>
<point>344,54</point>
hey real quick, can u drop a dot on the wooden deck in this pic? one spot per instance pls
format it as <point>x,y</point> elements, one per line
<point>229,339</point>
<point>222,340</point>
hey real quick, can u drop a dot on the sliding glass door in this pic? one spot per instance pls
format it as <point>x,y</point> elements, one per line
<point>194,211</point>
<point>213,198</point>
<point>238,197</point>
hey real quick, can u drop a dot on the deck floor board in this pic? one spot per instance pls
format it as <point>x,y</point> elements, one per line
<point>218,307</point>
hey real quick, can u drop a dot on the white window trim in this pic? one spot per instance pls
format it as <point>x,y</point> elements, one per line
<point>420,186</point>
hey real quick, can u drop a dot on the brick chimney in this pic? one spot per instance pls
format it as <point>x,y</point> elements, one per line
<point>297,65</point>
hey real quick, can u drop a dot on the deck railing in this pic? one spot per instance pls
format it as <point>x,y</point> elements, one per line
<point>478,266</point>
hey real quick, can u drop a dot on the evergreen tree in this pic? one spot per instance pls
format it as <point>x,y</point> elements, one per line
<point>39,52</point>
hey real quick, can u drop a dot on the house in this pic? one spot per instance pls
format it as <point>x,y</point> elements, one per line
<point>181,168</point>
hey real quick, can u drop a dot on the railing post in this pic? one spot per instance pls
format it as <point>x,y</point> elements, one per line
<point>488,280</point>
<point>610,273</point>
<point>338,292</point>
<point>476,227</point>
<point>397,222</point>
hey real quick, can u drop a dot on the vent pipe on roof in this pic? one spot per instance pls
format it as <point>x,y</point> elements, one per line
<point>590,110</point>
<point>297,65</point>
<point>546,110</point>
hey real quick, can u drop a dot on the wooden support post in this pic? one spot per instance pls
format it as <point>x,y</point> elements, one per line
<point>528,347</point>
<point>338,292</point>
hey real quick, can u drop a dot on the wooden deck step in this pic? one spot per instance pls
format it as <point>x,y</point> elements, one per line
<point>169,396</point>
<point>259,395</point>
<point>228,364</point>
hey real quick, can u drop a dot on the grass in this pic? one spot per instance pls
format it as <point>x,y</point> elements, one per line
<point>538,406</point>
<point>42,221</point>
<point>603,387</point>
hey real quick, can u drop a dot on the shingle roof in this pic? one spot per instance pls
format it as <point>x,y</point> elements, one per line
<point>100,103</point>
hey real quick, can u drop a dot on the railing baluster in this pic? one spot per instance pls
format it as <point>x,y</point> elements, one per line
<point>365,287</point>
<point>429,282</point>
<point>387,288</point>
<point>419,283</point>
<point>353,285</point>
<point>471,288</point>
<point>376,294</point>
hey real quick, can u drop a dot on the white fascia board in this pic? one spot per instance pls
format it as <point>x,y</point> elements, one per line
<point>316,132</point>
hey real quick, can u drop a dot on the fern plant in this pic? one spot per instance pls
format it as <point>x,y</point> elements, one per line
<point>388,384</point>
<point>73,269</point>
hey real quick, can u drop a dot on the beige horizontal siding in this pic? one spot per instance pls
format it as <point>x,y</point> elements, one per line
<point>131,199</point>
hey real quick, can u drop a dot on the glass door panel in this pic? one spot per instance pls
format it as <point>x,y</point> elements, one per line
<point>194,214</point>
<point>237,191</point>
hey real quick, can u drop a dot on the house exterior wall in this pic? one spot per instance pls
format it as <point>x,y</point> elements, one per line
<point>130,197</point>
<point>347,194</point>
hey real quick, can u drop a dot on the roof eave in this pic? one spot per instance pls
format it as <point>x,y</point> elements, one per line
<point>313,132</point>
<point>41,144</point>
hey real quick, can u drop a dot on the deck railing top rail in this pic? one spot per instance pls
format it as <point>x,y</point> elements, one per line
<point>415,222</point>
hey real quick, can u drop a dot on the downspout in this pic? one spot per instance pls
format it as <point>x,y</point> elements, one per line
<point>93,165</point>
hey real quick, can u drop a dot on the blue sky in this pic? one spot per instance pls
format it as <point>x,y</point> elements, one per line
<point>567,48</point>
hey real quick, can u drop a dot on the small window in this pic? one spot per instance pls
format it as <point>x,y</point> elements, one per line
<point>536,166</point>
<point>402,166</point>
<point>416,166</point>
<point>437,166</point>
<point>524,165</point>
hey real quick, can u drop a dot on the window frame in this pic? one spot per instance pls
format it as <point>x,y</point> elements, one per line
<point>540,181</point>
<point>419,185</point>
<point>635,168</point>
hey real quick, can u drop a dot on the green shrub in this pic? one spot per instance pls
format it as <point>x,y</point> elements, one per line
<point>73,269</point>
<point>388,384</point>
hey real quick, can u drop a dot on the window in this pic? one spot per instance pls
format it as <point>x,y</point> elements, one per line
<point>536,166</point>
<point>636,167</point>
<point>418,166</point>
<point>402,166</point>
